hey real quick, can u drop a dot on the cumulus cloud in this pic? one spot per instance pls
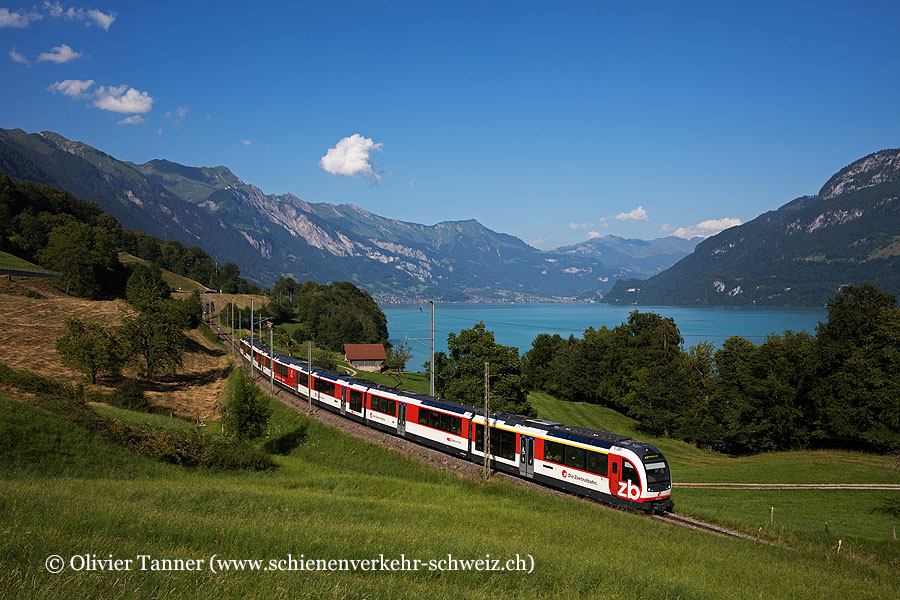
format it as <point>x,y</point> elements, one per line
<point>100,19</point>
<point>538,243</point>
<point>350,157</point>
<point>55,10</point>
<point>593,235</point>
<point>123,99</point>
<point>247,142</point>
<point>702,229</point>
<point>132,120</point>
<point>16,57</point>
<point>574,225</point>
<point>638,214</point>
<point>59,54</point>
<point>18,19</point>
<point>73,88</point>
<point>90,17</point>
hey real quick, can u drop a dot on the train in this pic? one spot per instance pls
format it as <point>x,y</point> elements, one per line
<point>611,468</point>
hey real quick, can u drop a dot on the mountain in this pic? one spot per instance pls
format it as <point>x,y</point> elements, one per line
<point>271,236</point>
<point>798,255</point>
<point>638,258</point>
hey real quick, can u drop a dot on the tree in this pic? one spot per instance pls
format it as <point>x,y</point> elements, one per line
<point>155,337</point>
<point>91,348</point>
<point>145,286</point>
<point>246,411</point>
<point>459,375</point>
<point>397,357</point>
<point>537,361</point>
<point>85,256</point>
<point>858,389</point>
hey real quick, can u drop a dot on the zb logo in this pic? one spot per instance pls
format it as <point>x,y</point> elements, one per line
<point>629,490</point>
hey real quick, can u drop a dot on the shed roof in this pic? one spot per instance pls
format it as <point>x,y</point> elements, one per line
<point>364,352</point>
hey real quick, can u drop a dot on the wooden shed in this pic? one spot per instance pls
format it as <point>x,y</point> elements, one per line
<point>367,357</point>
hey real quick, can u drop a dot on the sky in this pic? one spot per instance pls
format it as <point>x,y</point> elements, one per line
<point>555,122</point>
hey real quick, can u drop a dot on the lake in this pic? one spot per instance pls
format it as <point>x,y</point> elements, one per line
<point>518,324</point>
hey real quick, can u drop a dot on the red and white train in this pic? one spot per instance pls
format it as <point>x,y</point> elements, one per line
<point>608,467</point>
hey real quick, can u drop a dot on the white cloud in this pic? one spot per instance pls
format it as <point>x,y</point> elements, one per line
<point>703,229</point>
<point>247,142</point>
<point>123,99</point>
<point>73,88</point>
<point>638,214</point>
<point>538,242</point>
<point>132,120</point>
<point>60,54</point>
<point>102,20</point>
<point>350,157</point>
<point>16,57</point>
<point>18,19</point>
<point>574,225</point>
<point>593,235</point>
<point>412,182</point>
<point>90,17</point>
<point>159,131</point>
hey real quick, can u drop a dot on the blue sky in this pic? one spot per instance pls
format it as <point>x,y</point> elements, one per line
<point>543,120</point>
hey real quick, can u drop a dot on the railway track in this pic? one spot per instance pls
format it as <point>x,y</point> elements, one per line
<point>698,525</point>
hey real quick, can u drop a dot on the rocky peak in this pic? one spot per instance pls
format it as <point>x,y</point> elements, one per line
<point>878,167</point>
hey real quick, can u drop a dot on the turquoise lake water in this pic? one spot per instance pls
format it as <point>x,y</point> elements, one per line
<point>518,324</point>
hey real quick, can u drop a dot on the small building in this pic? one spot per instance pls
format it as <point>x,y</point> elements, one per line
<point>366,357</point>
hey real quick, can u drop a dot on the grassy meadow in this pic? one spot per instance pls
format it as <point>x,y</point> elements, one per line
<point>65,492</point>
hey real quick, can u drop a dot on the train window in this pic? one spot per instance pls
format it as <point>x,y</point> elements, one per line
<point>441,421</point>
<point>326,387</point>
<point>281,369</point>
<point>554,452</point>
<point>383,405</point>
<point>575,457</point>
<point>355,400</point>
<point>596,463</point>
<point>302,379</point>
<point>503,443</point>
<point>629,473</point>
<point>657,476</point>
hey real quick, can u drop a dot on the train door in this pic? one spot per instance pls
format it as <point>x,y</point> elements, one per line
<point>401,418</point>
<point>526,456</point>
<point>615,471</point>
<point>344,402</point>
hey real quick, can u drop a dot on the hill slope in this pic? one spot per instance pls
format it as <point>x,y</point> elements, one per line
<point>797,255</point>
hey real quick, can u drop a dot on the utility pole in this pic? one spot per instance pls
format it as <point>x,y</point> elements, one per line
<point>430,346</point>
<point>487,416</point>
<point>251,340</point>
<point>309,375</point>
<point>272,356</point>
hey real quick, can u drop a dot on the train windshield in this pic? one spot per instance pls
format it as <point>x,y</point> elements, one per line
<point>658,478</point>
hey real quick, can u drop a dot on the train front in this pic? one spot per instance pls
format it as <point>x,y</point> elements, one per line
<point>657,495</point>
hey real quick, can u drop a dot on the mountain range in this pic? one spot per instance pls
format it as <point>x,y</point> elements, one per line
<point>799,254</point>
<point>272,236</point>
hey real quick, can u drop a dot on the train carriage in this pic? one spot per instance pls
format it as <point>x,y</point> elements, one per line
<point>605,466</point>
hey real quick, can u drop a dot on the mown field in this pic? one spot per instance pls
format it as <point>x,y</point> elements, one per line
<point>66,492</point>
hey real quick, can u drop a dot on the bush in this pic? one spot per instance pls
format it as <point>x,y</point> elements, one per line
<point>285,443</point>
<point>246,410</point>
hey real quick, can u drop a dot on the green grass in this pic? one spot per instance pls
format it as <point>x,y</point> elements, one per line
<point>860,517</point>
<point>175,281</point>
<point>337,497</point>
<point>64,491</point>
<point>11,260</point>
